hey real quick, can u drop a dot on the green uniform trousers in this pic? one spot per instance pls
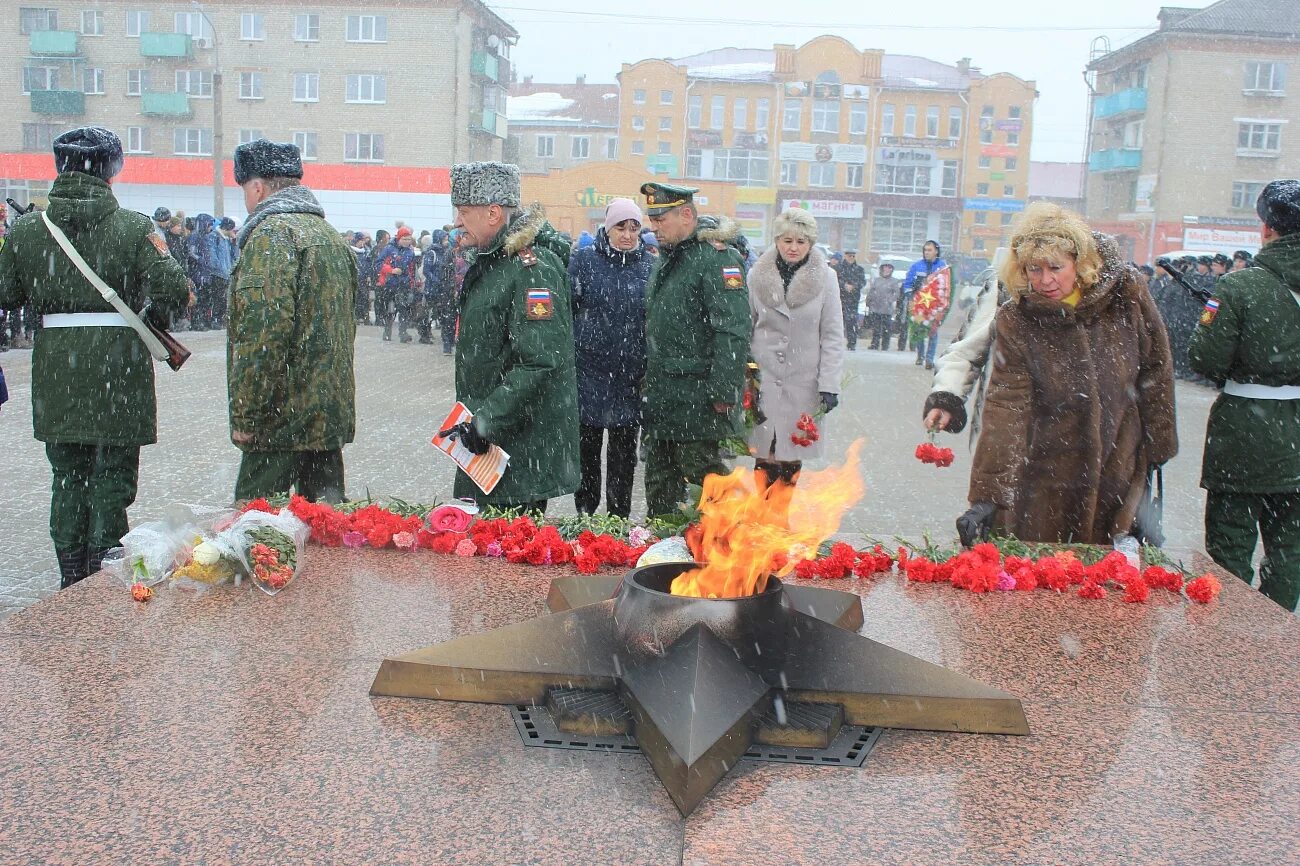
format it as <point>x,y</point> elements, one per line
<point>314,475</point>
<point>1231,523</point>
<point>93,487</point>
<point>671,465</point>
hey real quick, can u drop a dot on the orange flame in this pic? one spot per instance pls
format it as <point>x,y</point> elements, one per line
<point>747,533</point>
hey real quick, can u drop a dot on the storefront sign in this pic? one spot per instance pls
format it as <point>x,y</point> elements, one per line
<point>828,209</point>
<point>997,175</point>
<point>1005,205</point>
<point>998,150</point>
<point>1007,125</point>
<point>802,151</point>
<point>905,156</point>
<point>590,198</point>
<point>1244,222</point>
<point>909,141</point>
<point>755,195</point>
<point>1221,239</point>
<point>703,138</point>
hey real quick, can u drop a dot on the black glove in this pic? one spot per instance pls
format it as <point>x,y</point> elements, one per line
<point>468,436</point>
<point>829,401</point>
<point>975,524</point>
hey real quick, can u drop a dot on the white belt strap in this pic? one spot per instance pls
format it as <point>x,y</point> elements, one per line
<point>84,320</point>
<point>1261,392</point>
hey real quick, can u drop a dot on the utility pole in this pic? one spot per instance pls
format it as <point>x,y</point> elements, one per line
<point>218,151</point>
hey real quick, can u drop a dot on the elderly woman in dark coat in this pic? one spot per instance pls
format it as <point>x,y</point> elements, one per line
<point>609,278</point>
<point>1080,399</point>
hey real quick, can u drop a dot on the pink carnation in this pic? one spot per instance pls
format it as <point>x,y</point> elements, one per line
<point>466,547</point>
<point>1006,582</point>
<point>404,540</point>
<point>639,536</point>
<point>494,549</point>
<point>449,518</point>
<point>354,539</point>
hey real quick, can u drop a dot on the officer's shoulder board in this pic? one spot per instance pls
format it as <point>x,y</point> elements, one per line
<point>159,244</point>
<point>527,257</point>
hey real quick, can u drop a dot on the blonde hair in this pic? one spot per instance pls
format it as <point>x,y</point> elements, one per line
<point>1049,231</point>
<point>797,222</point>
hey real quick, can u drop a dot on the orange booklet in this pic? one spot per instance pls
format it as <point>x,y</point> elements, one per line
<point>485,470</point>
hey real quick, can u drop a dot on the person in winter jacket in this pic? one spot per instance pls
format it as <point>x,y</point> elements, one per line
<point>609,280</point>
<point>882,299</point>
<point>1180,311</point>
<point>1248,340</point>
<point>439,267</point>
<point>965,363</point>
<point>210,262</point>
<point>852,279</point>
<point>362,252</point>
<point>397,276</point>
<point>924,337</point>
<point>798,344</point>
<point>1080,398</point>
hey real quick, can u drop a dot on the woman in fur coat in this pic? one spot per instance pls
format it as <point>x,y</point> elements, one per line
<point>798,343</point>
<point>1080,400</point>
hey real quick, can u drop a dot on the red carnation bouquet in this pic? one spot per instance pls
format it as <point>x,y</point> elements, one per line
<point>805,430</point>
<point>929,452</point>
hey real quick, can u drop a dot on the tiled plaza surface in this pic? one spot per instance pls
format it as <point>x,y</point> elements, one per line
<point>403,391</point>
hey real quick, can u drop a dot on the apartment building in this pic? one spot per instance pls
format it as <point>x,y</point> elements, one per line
<point>1188,123</point>
<point>381,97</point>
<point>561,126</point>
<point>886,150</point>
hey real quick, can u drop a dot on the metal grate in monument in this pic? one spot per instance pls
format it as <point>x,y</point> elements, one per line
<point>537,729</point>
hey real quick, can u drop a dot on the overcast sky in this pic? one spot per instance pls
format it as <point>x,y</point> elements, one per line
<point>1033,39</point>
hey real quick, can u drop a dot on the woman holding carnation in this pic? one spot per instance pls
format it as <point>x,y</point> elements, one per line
<point>798,344</point>
<point>1080,399</point>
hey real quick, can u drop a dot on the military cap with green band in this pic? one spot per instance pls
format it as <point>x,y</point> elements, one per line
<point>663,197</point>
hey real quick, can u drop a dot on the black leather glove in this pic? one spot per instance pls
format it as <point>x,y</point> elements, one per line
<point>829,401</point>
<point>468,436</point>
<point>974,525</point>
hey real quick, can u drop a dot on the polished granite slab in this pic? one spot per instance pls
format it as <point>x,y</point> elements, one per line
<point>233,727</point>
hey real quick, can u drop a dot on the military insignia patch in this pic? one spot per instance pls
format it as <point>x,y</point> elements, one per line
<point>540,304</point>
<point>1211,310</point>
<point>527,257</point>
<point>159,244</point>
<point>733,278</point>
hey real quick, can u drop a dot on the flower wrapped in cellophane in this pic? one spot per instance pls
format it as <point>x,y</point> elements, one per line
<point>266,547</point>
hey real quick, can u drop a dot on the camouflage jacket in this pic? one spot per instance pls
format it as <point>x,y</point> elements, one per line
<point>291,330</point>
<point>91,385</point>
<point>514,361</point>
<point>697,337</point>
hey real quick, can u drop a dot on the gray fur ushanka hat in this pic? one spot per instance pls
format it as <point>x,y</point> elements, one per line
<point>484,183</point>
<point>264,159</point>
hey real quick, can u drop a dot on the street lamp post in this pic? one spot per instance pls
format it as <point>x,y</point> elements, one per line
<point>218,178</point>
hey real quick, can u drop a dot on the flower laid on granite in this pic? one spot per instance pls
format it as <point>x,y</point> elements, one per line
<point>449,518</point>
<point>466,547</point>
<point>404,540</point>
<point>140,592</point>
<point>274,558</point>
<point>1204,589</point>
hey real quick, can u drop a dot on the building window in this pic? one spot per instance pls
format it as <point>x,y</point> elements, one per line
<point>741,165</point>
<point>1009,190</point>
<point>1245,193</point>
<point>665,97</point>
<point>1011,163</point>
<point>363,147</point>
<point>306,28</point>
<point>137,23</point>
<point>887,119</point>
<point>948,181</point>
<point>367,28</point>
<point>92,23</point>
<point>250,85</point>
<point>196,26</point>
<point>792,117</point>
<point>909,121</point>
<point>857,118</point>
<point>981,217</point>
<point>717,111</point>
<point>665,148</point>
<point>1259,137</point>
<point>986,124</point>
<point>247,135</point>
<point>1265,77</point>
<point>903,179</point>
<point>252,26</point>
<point>789,173</point>
<point>1013,139</point>
<point>1014,111</point>
<point>580,147</point>
<point>899,231</point>
<point>137,139</point>
<point>985,162</point>
<point>821,174</point>
<point>306,87</point>
<point>826,115</point>
<point>638,97</point>
<point>954,123</point>
<point>611,147</point>
<point>40,136</point>
<point>545,146</point>
<point>192,141</point>
<point>981,189</point>
<point>932,122</point>
<point>638,122</point>
<point>92,81</point>
<point>665,124</point>
<point>370,89</point>
<point>32,19</point>
<point>977,245</point>
<point>762,114</point>
<point>694,113</point>
<point>137,81</point>
<point>740,114</point>
<point>1007,218</point>
<point>306,143</point>
<point>853,176</point>
<point>40,78</point>
<point>638,147</point>
<point>196,82</point>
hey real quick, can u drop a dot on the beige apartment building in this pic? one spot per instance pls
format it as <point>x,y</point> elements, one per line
<point>554,127</point>
<point>1189,123</point>
<point>380,97</point>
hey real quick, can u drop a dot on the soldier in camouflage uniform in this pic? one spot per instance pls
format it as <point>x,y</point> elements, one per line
<point>697,343</point>
<point>291,330</point>
<point>93,399</point>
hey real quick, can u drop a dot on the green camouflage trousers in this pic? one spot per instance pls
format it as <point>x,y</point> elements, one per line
<point>93,487</point>
<point>1232,521</point>
<point>671,465</point>
<point>314,475</point>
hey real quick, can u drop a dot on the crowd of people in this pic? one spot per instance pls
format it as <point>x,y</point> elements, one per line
<point>579,357</point>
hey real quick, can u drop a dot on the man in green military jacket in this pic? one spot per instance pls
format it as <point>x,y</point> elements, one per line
<point>93,399</point>
<point>697,343</point>
<point>291,332</point>
<point>1248,340</point>
<point>514,355</point>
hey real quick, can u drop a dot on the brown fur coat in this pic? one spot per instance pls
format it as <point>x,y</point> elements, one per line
<point>1080,401</point>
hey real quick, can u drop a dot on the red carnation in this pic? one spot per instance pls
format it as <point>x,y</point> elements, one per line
<point>586,564</point>
<point>1204,589</point>
<point>1092,590</point>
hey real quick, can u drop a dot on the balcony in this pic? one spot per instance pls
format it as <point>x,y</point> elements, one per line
<point>492,123</point>
<point>165,105</point>
<point>1120,159</point>
<point>53,43</point>
<point>1131,101</point>
<point>68,103</point>
<point>661,163</point>
<point>179,45</point>
<point>484,65</point>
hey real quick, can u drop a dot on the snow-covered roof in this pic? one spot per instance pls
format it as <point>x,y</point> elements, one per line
<point>579,104</point>
<point>731,64</point>
<point>537,105</point>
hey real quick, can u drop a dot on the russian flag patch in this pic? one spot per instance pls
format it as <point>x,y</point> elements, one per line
<point>1211,310</point>
<point>539,304</point>
<point>733,278</point>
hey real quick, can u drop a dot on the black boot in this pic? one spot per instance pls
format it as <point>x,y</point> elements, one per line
<point>72,566</point>
<point>95,559</point>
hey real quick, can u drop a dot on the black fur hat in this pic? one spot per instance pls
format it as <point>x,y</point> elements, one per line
<point>90,150</point>
<point>263,158</point>
<point>1278,206</point>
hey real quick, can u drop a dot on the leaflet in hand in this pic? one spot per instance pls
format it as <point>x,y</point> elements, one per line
<point>485,470</point>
